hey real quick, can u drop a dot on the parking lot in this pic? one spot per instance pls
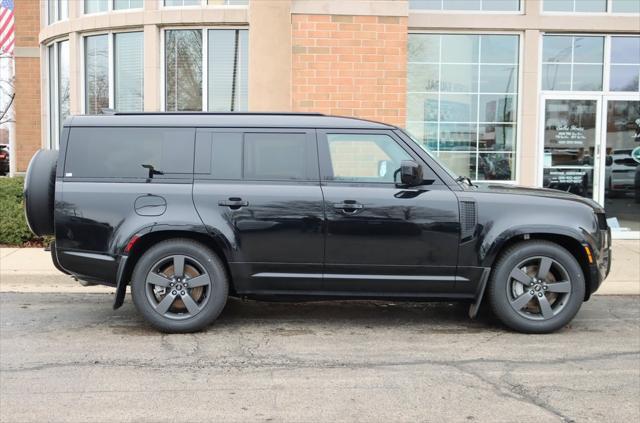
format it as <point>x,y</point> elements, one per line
<point>70,357</point>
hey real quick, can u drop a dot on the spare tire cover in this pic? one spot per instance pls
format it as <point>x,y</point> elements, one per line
<point>39,192</point>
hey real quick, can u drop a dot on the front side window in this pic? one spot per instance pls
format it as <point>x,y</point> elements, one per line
<point>96,73</point>
<point>572,63</point>
<point>122,152</point>
<point>466,5</point>
<point>462,101</point>
<point>224,64</point>
<point>625,64</point>
<point>365,157</point>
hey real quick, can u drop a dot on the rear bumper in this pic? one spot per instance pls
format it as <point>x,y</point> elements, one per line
<point>91,267</point>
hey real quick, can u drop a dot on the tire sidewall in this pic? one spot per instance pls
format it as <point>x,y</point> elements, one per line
<point>212,264</point>
<point>500,278</point>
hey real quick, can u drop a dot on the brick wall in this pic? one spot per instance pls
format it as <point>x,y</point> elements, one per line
<point>350,65</point>
<point>27,83</point>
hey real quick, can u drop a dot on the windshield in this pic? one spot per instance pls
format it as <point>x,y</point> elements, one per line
<point>431,154</point>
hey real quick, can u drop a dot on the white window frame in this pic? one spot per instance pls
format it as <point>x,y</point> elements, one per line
<point>518,133</point>
<point>111,35</point>
<point>111,7</point>
<point>57,4</point>
<point>53,114</point>
<point>463,12</point>
<point>205,60</point>
<point>607,12</point>
<point>203,3</point>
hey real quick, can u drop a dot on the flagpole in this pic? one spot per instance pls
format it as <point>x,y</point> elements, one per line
<point>12,119</point>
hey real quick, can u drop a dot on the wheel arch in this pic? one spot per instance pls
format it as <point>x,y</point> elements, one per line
<point>146,241</point>
<point>568,242</point>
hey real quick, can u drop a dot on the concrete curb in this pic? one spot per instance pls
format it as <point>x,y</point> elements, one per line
<point>31,270</point>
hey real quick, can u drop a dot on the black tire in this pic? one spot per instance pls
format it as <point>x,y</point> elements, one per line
<point>560,302</point>
<point>178,318</point>
<point>39,192</point>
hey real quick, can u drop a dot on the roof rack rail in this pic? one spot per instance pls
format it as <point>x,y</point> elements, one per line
<point>221,113</point>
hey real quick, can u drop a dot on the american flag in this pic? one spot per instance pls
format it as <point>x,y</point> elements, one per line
<point>7,27</point>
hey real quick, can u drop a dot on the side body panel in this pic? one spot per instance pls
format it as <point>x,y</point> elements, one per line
<point>274,228</point>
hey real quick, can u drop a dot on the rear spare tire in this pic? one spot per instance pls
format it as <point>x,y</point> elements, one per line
<point>39,192</point>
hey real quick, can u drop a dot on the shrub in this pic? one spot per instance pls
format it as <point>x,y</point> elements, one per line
<point>13,226</point>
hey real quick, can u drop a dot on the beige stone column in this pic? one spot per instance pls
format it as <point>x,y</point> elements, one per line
<point>529,142</point>
<point>270,55</point>
<point>75,73</point>
<point>153,86</point>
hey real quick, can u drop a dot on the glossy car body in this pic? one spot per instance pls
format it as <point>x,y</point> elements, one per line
<point>316,238</point>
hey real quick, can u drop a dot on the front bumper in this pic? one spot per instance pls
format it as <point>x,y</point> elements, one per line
<point>601,266</point>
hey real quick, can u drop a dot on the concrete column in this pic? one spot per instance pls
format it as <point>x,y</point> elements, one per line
<point>75,72</point>
<point>270,55</point>
<point>153,86</point>
<point>529,142</point>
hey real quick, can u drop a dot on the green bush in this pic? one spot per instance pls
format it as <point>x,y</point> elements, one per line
<point>13,226</point>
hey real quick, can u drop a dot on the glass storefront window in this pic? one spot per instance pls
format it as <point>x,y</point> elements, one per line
<point>127,4</point>
<point>572,63</point>
<point>464,5</point>
<point>182,2</point>
<point>462,101</point>
<point>58,88</point>
<point>569,145</point>
<point>625,6</point>
<point>224,64</point>
<point>622,169</point>
<point>96,6</point>
<point>57,10</point>
<point>183,70</point>
<point>129,71</point>
<point>625,64</point>
<point>96,73</point>
<point>228,70</point>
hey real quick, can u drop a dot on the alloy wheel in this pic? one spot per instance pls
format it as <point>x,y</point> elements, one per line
<point>538,288</point>
<point>178,287</point>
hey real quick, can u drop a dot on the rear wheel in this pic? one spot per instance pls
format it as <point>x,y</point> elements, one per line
<point>179,286</point>
<point>536,287</point>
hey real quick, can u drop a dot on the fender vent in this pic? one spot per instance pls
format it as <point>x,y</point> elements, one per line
<point>468,219</point>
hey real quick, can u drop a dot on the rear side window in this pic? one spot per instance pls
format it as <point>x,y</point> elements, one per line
<point>122,152</point>
<point>256,156</point>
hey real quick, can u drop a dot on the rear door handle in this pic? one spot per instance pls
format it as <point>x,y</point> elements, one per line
<point>233,203</point>
<point>348,207</point>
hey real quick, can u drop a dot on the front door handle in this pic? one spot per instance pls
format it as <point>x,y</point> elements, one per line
<point>234,203</point>
<point>348,207</point>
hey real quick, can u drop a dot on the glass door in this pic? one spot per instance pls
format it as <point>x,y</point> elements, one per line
<point>571,157</point>
<point>621,178</point>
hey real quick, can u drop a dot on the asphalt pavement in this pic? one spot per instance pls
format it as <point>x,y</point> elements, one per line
<point>71,358</point>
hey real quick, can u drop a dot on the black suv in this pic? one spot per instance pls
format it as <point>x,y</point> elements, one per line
<point>191,208</point>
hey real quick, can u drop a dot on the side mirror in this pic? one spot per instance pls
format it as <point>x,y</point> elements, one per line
<point>410,173</point>
<point>609,161</point>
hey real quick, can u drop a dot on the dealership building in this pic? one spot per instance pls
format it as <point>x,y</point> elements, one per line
<point>531,92</point>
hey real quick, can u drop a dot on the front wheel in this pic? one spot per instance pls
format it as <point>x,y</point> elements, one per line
<point>536,287</point>
<point>179,286</point>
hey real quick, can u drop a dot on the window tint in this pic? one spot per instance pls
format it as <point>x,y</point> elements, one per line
<point>121,152</point>
<point>255,156</point>
<point>272,156</point>
<point>364,157</point>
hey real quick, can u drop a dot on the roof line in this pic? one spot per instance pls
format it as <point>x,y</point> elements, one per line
<point>216,113</point>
